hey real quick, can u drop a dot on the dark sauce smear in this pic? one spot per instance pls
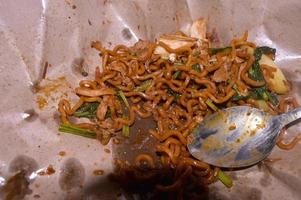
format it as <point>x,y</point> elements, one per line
<point>23,163</point>
<point>126,34</point>
<point>72,174</point>
<point>143,180</point>
<point>17,186</point>
<point>78,67</point>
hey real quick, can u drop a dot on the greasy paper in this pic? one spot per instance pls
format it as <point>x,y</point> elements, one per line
<point>57,33</point>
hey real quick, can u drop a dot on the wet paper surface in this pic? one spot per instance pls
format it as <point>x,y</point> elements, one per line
<point>59,32</point>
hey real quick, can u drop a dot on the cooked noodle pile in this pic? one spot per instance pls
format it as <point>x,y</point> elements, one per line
<point>177,89</point>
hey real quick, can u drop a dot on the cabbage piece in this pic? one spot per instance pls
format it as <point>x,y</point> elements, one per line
<point>278,83</point>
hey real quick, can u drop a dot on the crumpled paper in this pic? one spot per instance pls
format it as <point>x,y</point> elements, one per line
<point>34,156</point>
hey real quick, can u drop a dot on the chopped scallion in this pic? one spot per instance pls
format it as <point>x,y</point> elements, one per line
<point>196,67</point>
<point>144,86</point>
<point>125,128</point>
<point>67,128</point>
<point>87,110</point>
<point>225,179</point>
<point>211,105</point>
<point>122,96</point>
<point>176,75</point>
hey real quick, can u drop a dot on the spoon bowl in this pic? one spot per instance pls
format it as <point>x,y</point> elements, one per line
<point>238,136</point>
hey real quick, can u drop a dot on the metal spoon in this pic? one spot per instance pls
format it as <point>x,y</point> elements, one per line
<point>238,136</point>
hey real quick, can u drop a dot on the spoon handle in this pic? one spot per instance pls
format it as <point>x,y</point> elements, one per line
<point>289,117</point>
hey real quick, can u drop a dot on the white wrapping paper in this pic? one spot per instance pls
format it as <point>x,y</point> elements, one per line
<point>59,32</point>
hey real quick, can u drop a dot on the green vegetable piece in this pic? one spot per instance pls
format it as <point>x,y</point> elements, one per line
<point>262,93</point>
<point>67,128</point>
<point>144,86</point>
<point>196,67</point>
<point>122,96</point>
<point>225,179</point>
<point>237,96</point>
<point>178,64</point>
<point>255,72</point>
<point>125,128</point>
<point>87,110</point>
<point>258,93</point>
<point>176,95</point>
<point>211,105</point>
<point>176,75</point>
<point>273,99</point>
<point>234,87</point>
<point>213,51</point>
<point>126,131</point>
<point>268,51</point>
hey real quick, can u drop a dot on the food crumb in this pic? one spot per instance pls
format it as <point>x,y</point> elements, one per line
<point>62,153</point>
<point>253,132</point>
<point>41,101</point>
<point>107,150</point>
<point>260,126</point>
<point>98,172</point>
<point>232,127</point>
<point>49,171</point>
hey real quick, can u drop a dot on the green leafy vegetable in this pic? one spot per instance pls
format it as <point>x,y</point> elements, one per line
<point>122,96</point>
<point>255,72</point>
<point>196,67</point>
<point>225,179</point>
<point>141,88</point>
<point>176,95</point>
<point>237,96</point>
<point>273,99</point>
<point>268,51</point>
<point>177,74</point>
<point>211,105</point>
<point>126,131</point>
<point>213,51</point>
<point>262,93</point>
<point>125,128</point>
<point>87,110</point>
<point>234,87</point>
<point>259,93</point>
<point>67,128</point>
